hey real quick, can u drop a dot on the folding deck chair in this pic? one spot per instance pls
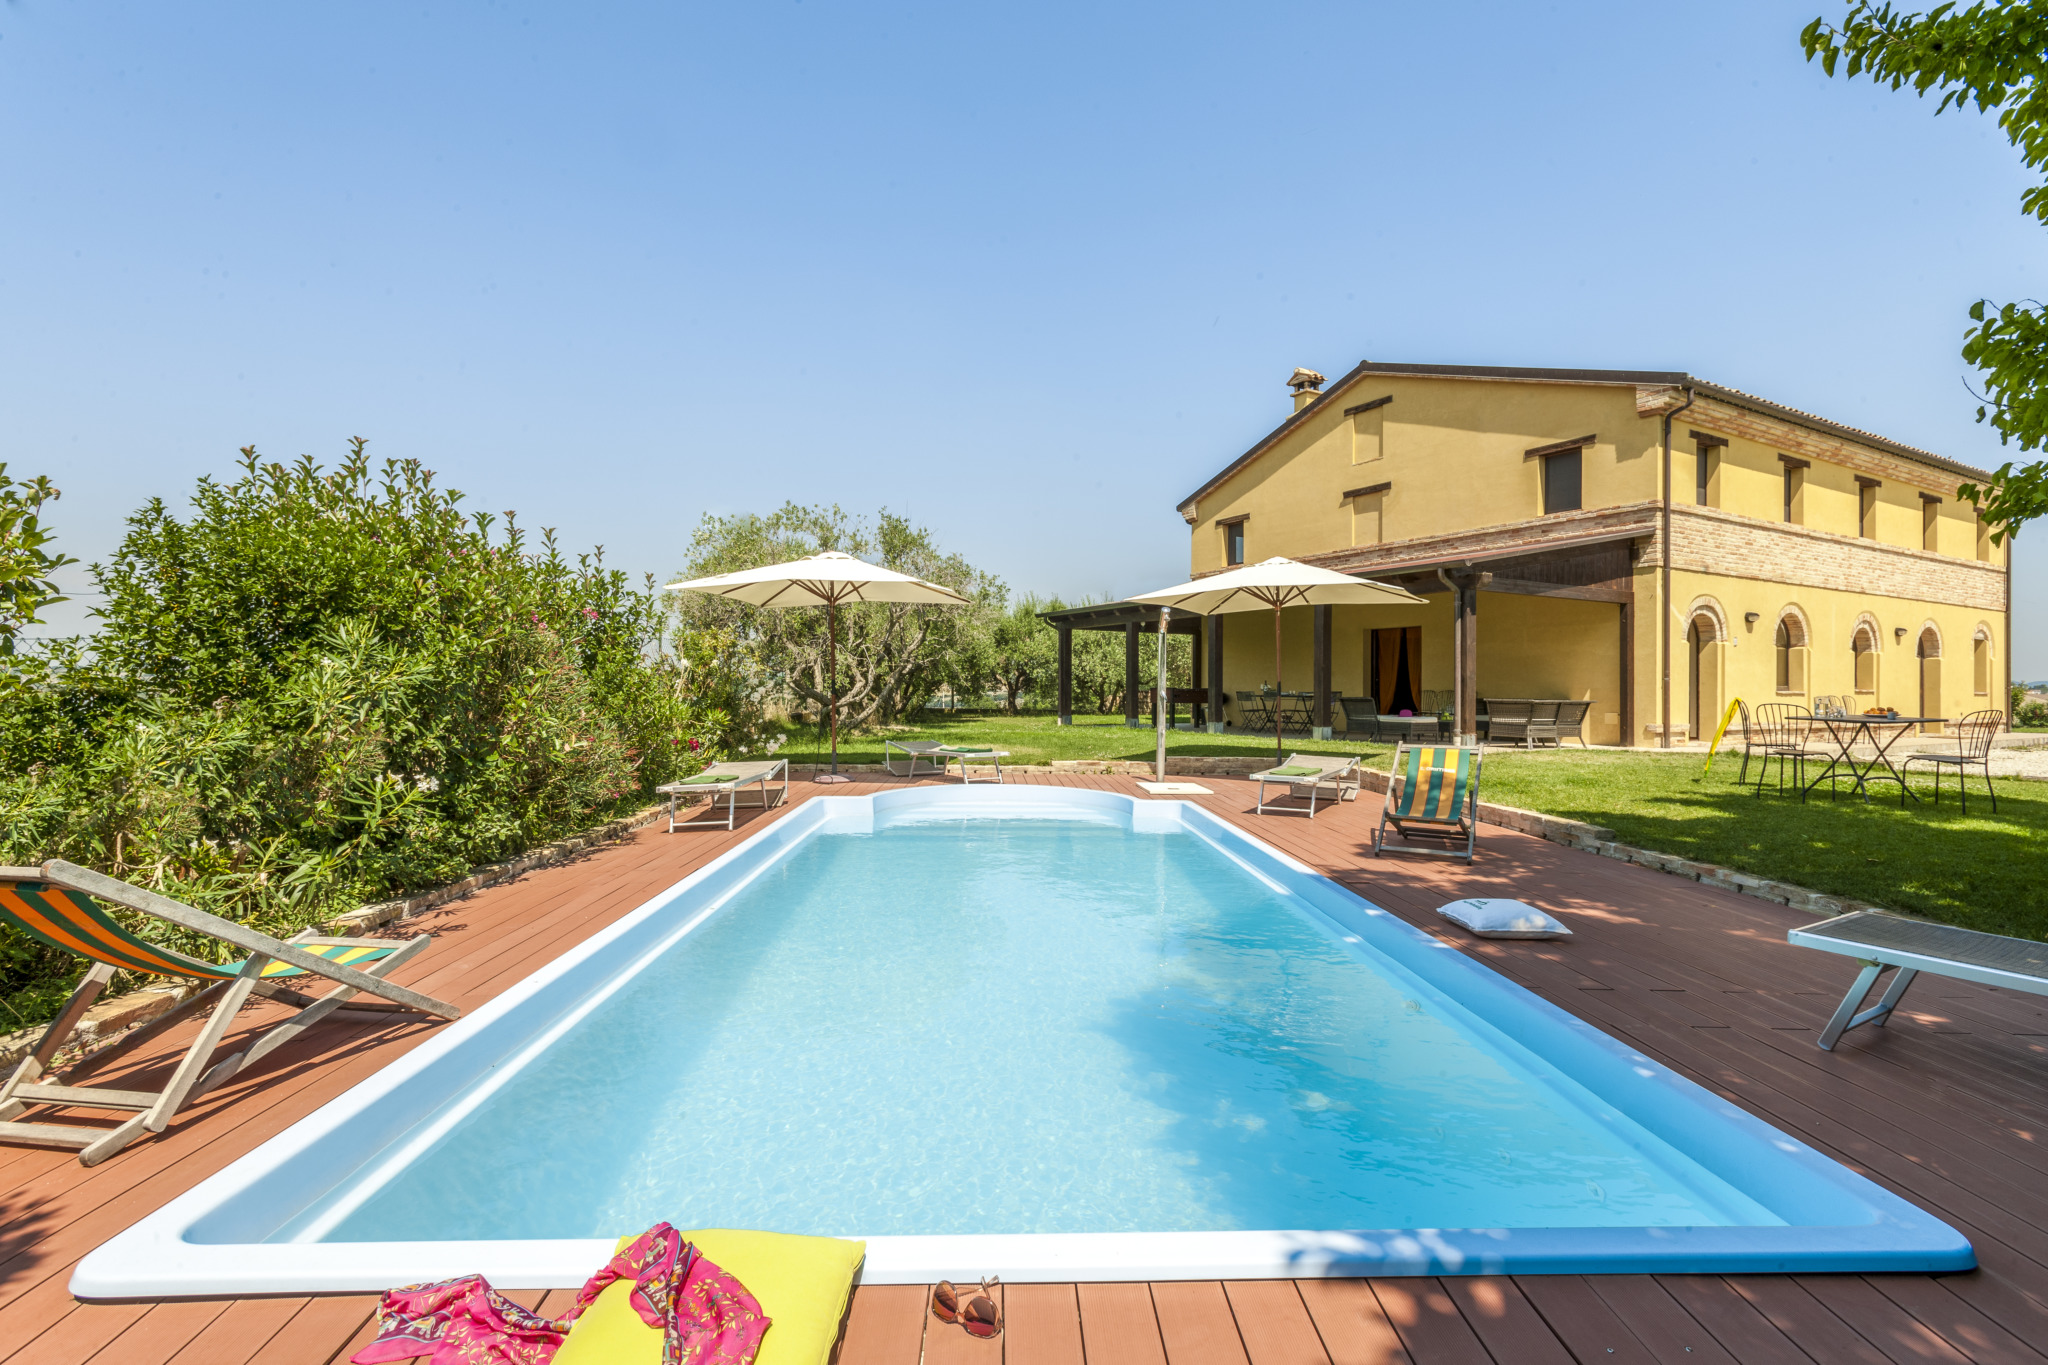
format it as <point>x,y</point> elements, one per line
<point>727,778</point>
<point>1309,775</point>
<point>56,904</point>
<point>1881,941</point>
<point>1433,794</point>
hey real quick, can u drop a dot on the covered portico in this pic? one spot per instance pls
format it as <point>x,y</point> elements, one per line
<point>1597,568</point>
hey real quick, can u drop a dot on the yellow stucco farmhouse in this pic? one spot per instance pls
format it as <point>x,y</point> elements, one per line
<point>1649,542</point>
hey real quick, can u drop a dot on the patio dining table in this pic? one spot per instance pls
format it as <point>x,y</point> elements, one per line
<point>1296,709</point>
<point>1880,733</point>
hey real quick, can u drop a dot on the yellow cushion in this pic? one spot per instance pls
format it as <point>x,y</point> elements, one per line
<point>801,1283</point>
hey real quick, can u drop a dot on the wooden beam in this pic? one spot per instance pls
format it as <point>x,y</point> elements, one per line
<point>1794,462</point>
<point>1131,676</point>
<point>1366,491</point>
<point>1368,407</point>
<point>1214,631</point>
<point>1066,675</point>
<point>1865,481</point>
<point>1559,447</point>
<point>1708,439</point>
<point>1628,675</point>
<point>1530,587</point>
<point>1232,521</point>
<point>1321,719</point>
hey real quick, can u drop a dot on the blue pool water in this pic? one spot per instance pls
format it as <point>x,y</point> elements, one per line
<point>1022,1025</point>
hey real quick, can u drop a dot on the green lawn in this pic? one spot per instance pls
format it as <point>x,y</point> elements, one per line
<point>1984,871</point>
<point>1037,739</point>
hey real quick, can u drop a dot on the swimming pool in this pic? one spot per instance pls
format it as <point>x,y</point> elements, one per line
<point>1052,1033</point>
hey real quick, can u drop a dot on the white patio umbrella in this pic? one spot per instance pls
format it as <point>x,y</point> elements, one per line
<point>823,580</point>
<point>1274,583</point>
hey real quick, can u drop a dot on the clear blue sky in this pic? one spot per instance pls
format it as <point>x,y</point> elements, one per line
<point>1027,273</point>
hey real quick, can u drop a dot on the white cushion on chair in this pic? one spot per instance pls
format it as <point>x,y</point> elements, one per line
<point>1492,918</point>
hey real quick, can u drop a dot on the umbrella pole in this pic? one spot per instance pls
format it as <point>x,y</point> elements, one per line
<point>1279,690</point>
<point>832,677</point>
<point>1160,710</point>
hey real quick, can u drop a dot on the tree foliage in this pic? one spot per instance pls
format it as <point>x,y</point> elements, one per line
<point>1993,56</point>
<point>319,688</point>
<point>25,565</point>
<point>892,656</point>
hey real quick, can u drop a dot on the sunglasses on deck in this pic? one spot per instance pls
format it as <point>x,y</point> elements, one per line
<point>978,1315</point>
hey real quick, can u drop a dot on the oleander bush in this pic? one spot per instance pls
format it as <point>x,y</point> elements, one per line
<point>318,688</point>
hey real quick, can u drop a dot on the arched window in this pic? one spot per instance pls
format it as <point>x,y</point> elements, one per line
<point>1783,645</point>
<point>1865,648</point>
<point>1980,662</point>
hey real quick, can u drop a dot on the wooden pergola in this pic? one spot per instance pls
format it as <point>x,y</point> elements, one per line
<point>1130,618</point>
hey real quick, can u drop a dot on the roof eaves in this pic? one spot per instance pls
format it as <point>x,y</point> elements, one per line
<point>1366,368</point>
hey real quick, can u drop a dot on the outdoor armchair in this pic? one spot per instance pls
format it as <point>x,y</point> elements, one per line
<point>57,904</point>
<point>1511,720</point>
<point>727,778</point>
<point>1571,722</point>
<point>1361,717</point>
<point>1308,776</point>
<point>1974,734</point>
<point>1433,796</point>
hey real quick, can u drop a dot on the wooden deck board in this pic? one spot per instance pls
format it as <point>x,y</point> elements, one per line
<point>1947,1106</point>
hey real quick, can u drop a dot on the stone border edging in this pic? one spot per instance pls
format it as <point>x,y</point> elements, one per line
<point>1600,839</point>
<point>111,1017</point>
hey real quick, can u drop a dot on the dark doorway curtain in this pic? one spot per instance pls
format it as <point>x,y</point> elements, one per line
<point>1396,669</point>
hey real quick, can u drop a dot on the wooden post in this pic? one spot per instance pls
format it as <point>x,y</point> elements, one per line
<point>1212,626</point>
<point>1628,676</point>
<point>1131,675</point>
<point>1464,585</point>
<point>1322,672</point>
<point>1066,675</point>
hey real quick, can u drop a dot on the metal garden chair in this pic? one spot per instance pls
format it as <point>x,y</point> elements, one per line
<point>1974,734</point>
<point>1781,731</point>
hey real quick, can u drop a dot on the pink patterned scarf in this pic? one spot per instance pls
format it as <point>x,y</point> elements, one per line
<point>707,1317</point>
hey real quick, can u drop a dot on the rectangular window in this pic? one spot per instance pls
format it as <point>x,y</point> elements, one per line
<point>1930,522</point>
<point>1368,430</point>
<point>1980,666</point>
<point>1866,508</point>
<point>1795,490</point>
<point>1233,542</point>
<point>1368,513</point>
<point>1561,482</point>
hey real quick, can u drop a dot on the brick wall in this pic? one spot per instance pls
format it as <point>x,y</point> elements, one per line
<point>1708,540</point>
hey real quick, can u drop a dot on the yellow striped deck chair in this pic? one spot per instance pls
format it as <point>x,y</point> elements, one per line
<point>1433,795</point>
<point>58,903</point>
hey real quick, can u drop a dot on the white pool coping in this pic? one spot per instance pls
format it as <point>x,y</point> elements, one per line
<point>207,1241</point>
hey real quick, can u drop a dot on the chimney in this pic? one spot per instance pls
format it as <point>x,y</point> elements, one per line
<point>1307,386</point>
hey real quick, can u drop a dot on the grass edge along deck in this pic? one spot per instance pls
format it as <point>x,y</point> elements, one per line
<point>207,1241</point>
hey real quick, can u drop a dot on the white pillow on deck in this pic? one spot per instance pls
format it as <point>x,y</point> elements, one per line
<point>1492,918</point>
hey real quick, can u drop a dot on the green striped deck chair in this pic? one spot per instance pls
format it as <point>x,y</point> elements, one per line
<point>1432,797</point>
<point>58,903</point>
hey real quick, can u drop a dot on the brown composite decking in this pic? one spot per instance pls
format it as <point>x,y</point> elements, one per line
<point>1947,1107</point>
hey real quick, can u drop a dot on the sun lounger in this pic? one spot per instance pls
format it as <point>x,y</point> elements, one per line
<point>727,778</point>
<point>57,903</point>
<point>1432,795</point>
<point>1882,942</point>
<point>948,754</point>
<point>1309,776</point>
<point>915,751</point>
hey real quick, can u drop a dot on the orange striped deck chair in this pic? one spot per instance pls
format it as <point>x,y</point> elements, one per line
<point>1432,803</point>
<point>58,903</point>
